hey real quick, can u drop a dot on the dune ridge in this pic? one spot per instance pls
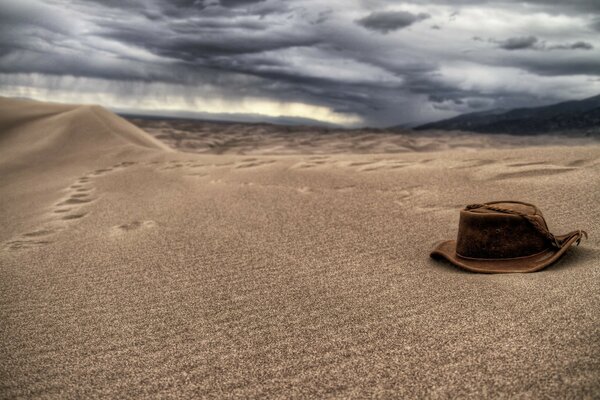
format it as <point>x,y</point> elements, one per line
<point>130,271</point>
<point>205,137</point>
<point>58,129</point>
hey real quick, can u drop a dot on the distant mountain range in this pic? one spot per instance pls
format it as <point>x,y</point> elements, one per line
<point>570,116</point>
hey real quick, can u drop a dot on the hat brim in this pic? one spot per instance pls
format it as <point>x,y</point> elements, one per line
<point>536,262</point>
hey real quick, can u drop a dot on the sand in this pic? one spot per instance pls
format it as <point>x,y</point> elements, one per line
<point>205,137</point>
<point>130,270</point>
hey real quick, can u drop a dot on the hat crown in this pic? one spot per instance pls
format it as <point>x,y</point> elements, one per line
<point>486,233</point>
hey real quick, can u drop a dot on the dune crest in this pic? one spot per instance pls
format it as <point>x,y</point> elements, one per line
<point>56,130</point>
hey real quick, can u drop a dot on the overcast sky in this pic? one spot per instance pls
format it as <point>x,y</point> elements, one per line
<point>362,62</point>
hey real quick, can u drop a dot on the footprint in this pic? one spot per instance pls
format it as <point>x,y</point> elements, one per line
<point>525,164</point>
<point>254,164</point>
<point>102,171</point>
<point>124,164</point>
<point>41,232</point>
<point>404,194</point>
<point>72,200</point>
<point>433,208</point>
<point>359,164</point>
<point>303,165</point>
<point>344,188</point>
<point>26,244</point>
<point>130,226</point>
<point>249,165</point>
<point>74,216</point>
<point>532,173</point>
<point>136,225</point>
<point>577,163</point>
<point>173,166</point>
<point>304,190</point>
<point>476,163</point>
<point>370,168</point>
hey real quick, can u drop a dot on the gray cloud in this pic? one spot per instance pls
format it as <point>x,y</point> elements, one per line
<point>238,3</point>
<point>589,66</point>
<point>576,46</point>
<point>518,43</point>
<point>299,52</point>
<point>576,7</point>
<point>533,43</point>
<point>385,22</point>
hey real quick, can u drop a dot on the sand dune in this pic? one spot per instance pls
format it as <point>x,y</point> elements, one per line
<point>206,137</point>
<point>129,270</point>
<point>57,130</point>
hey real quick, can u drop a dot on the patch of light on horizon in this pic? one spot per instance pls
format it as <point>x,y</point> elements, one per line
<point>168,100</point>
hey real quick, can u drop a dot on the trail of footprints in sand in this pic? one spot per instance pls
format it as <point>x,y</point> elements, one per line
<point>81,192</point>
<point>69,209</point>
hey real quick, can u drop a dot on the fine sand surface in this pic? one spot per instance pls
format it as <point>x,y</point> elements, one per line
<point>128,270</point>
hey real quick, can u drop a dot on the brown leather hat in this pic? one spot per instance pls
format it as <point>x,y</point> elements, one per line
<point>504,236</point>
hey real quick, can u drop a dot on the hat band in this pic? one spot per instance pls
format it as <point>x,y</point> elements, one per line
<point>500,259</point>
<point>579,233</point>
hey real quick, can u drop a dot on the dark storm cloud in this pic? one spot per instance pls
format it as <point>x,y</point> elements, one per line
<point>550,6</point>
<point>518,43</point>
<point>238,3</point>
<point>438,98</point>
<point>298,51</point>
<point>533,43</point>
<point>574,5</point>
<point>190,47</point>
<point>385,22</point>
<point>573,46</point>
<point>561,67</point>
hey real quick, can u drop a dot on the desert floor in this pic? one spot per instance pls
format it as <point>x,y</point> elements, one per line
<point>130,270</point>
